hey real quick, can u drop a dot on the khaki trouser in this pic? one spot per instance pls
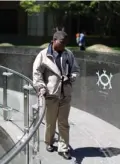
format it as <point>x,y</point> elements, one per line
<point>58,110</point>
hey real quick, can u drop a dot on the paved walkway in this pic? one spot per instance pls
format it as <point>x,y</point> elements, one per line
<point>92,140</point>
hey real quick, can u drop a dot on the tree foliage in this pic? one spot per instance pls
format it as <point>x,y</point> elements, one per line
<point>59,9</point>
<point>30,6</point>
<point>105,13</point>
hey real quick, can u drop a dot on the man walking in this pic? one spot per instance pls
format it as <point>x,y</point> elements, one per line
<point>54,70</point>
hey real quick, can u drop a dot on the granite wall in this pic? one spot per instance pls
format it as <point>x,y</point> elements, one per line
<point>97,90</point>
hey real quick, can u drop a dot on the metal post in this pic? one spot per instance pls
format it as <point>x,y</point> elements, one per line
<point>36,135</point>
<point>27,89</point>
<point>26,110</point>
<point>5,80</point>
<point>5,91</point>
<point>26,119</point>
<point>36,139</point>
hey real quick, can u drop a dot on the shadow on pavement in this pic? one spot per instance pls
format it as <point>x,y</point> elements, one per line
<point>81,153</point>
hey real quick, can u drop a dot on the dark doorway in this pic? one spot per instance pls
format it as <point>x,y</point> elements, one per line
<point>9,21</point>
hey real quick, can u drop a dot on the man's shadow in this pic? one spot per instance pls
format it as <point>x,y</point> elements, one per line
<point>80,153</point>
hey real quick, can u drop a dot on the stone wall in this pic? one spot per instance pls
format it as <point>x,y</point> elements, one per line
<point>96,91</point>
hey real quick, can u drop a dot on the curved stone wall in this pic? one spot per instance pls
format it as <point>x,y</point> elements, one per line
<point>96,91</point>
<point>6,142</point>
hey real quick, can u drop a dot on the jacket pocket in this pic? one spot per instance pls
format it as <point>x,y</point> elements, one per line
<point>53,85</point>
<point>67,89</point>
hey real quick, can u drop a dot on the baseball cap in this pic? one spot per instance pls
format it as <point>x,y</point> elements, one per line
<point>60,35</point>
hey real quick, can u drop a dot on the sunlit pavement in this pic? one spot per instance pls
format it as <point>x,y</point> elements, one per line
<point>92,141</point>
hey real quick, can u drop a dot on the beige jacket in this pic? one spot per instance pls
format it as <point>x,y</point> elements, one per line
<point>46,74</point>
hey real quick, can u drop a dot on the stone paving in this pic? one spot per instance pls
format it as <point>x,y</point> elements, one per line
<point>92,140</point>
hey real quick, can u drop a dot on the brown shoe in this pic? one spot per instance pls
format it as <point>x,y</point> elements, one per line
<point>50,148</point>
<point>65,155</point>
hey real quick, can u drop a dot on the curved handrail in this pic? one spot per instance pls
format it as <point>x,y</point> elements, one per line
<point>7,158</point>
<point>22,76</point>
<point>19,74</point>
<point>30,135</point>
<point>30,82</point>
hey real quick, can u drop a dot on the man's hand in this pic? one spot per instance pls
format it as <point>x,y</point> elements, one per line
<point>73,77</point>
<point>42,92</point>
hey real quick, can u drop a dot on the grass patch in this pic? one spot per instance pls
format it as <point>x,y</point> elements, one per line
<point>72,48</point>
<point>116,48</point>
<point>6,45</point>
<point>76,48</point>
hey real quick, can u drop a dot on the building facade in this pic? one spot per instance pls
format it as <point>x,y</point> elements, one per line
<point>17,27</point>
<point>17,23</point>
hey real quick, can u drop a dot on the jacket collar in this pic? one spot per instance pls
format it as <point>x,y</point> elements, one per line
<point>51,64</point>
<point>50,50</point>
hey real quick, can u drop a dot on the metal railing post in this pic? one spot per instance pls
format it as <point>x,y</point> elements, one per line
<point>37,108</point>
<point>26,119</point>
<point>26,110</point>
<point>27,89</point>
<point>36,136</point>
<point>6,111</point>
<point>29,132</point>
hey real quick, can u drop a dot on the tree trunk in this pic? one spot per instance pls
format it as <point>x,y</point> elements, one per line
<point>69,25</point>
<point>78,24</point>
<point>60,19</point>
<point>54,20</point>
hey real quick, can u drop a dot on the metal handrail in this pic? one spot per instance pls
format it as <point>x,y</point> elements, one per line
<point>30,135</point>
<point>19,74</point>
<point>7,158</point>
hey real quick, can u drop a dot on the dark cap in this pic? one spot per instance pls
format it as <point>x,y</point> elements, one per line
<point>60,35</point>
